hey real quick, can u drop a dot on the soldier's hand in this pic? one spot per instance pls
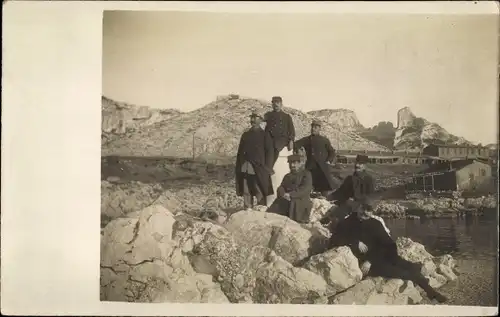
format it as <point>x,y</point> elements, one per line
<point>365,267</point>
<point>287,196</point>
<point>362,247</point>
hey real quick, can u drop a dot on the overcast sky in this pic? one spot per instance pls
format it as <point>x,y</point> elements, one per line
<point>443,67</point>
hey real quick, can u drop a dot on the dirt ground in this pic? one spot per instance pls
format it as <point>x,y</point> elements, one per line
<point>184,172</point>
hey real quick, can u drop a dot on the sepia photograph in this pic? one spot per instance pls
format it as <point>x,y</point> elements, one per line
<point>299,158</point>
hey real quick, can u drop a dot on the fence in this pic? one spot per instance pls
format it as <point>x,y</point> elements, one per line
<point>437,181</point>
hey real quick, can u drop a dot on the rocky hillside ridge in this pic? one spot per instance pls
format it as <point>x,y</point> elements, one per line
<point>228,258</point>
<point>217,128</point>
<point>414,133</point>
<point>344,119</point>
<point>119,118</point>
<point>411,132</point>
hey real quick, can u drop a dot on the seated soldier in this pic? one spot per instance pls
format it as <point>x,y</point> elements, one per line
<point>293,195</point>
<point>358,187</point>
<point>377,252</point>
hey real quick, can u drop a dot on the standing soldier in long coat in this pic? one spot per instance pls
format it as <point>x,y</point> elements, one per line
<point>294,192</point>
<point>320,155</point>
<point>279,125</point>
<point>254,164</point>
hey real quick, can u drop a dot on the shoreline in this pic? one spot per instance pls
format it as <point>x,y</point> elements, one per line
<point>119,198</point>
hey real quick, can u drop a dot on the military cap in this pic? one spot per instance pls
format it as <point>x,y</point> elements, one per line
<point>294,158</point>
<point>363,159</point>
<point>316,123</point>
<point>276,98</point>
<point>255,114</point>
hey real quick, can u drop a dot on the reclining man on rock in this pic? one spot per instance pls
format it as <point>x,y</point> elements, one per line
<point>376,251</point>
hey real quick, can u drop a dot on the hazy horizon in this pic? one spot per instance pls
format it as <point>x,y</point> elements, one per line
<point>372,64</point>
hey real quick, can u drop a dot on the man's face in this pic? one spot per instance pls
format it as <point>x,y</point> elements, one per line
<point>359,167</point>
<point>315,129</point>
<point>294,166</point>
<point>255,121</point>
<point>277,105</point>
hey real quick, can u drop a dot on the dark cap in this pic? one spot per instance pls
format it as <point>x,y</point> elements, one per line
<point>316,123</point>
<point>294,158</point>
<point>276,98</point>
<point>364,203</point>
<point>255,114</point>
<point>363,159</point>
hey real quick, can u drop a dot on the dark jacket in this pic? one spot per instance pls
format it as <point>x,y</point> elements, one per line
<point>319,151</point>
<point>359,187</point>
<point>280,126</point>
<point>256,148</point>
<point>299,186</point>
<point>351,230</point>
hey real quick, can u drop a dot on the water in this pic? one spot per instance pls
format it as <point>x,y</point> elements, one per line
<point>472,241</point>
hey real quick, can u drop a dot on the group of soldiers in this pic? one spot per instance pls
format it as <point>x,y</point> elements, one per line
<point>351,222</point>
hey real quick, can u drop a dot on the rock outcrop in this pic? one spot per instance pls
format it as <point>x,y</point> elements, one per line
<point>378,291</point>
<point>416,253</point>
<point>344,119</point>
<point>120,117</point>
<point>405,118</point>
<point>154,255</point>
<point>117,200</point>
<point>140,262</point>
<point>293,242</point>
<point>338,267</point>
<point>481,202</point>
<point>434,207</point>
<point>415,133</point>
<point>248,274</point>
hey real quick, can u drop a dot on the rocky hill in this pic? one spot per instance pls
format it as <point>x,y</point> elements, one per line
<point>382,133</point>
<point>344,119</point>
<point>413,133</point>
<point>119,118</point>
<point>215,129</point>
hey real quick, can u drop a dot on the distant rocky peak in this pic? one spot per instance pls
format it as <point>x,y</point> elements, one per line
<point>405,117</point>
<point>342,118</point>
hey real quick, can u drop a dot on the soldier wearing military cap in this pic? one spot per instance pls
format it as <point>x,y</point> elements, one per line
<point>357,191</point>
<point>254,164</point>
<point>293,195</point>
<point>359,186</point>
<point>279,125</point>
<point>320,155</point>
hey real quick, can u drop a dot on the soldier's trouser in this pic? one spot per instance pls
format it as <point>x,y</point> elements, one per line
<point>276,154</point>
<point>250,190</point>
<point>320,182</point>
